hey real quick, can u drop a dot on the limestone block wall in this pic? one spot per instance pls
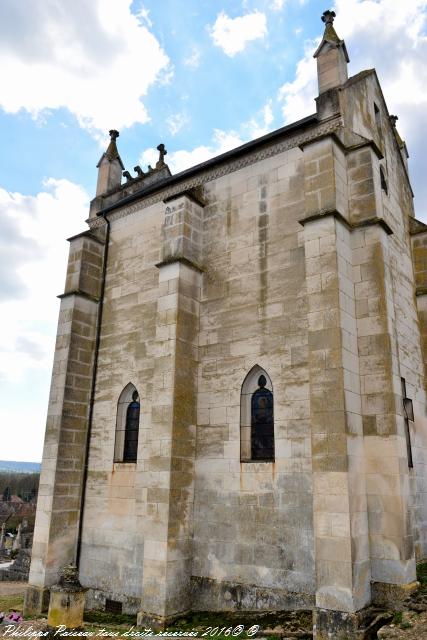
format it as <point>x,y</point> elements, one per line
<point>408,329</point>
<point>419,435</point>
<point>253,521</point>
<point>398,209</point>
<point>388,324</point>
<point>116,500</point>
<point>326,307</point>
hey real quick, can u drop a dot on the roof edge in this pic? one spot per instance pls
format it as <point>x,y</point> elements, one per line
<point>211,162</point>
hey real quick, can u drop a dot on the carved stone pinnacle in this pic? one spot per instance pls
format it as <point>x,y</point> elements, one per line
<point>328,17</point>
<point>162,152</point>
<point>114,134</point>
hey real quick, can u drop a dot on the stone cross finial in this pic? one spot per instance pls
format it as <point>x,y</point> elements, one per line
<point>328,17</point>
<point>162,152</point>
<point>114,134</point>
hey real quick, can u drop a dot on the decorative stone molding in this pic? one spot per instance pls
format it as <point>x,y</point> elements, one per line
<point>321,130</point>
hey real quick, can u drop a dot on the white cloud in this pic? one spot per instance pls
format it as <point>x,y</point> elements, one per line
<point>96,59</point>
<point>277,5</point>
<point>37,228</point>
<point>261,123</point>
<point>297,97</point>
<point>193,60</point>
<point>222,141</point>
<point>41,222</point>
<point>179,160</point>
<point>143,16</point>
<point>176,122</point>
<point>233,34</point>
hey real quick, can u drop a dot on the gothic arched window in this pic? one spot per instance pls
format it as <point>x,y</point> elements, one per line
<point>127,425</point>
<point>257,417</point>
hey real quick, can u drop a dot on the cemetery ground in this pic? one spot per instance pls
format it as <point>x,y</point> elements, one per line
<point>406,622</point>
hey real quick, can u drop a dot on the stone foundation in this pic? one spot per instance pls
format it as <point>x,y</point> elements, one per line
<point>212,595</point>
<point>391,595</point>
<point>95,601</point>
<point>329,624</point>
<point>157,623</point>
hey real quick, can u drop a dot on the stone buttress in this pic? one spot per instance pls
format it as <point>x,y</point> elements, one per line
<point>169,477</point>
<point>363,503</point>
<point>61,479</point>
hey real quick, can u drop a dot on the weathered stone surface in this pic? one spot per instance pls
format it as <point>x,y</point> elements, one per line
<point>293,256</point>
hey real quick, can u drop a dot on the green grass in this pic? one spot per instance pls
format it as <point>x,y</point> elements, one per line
<point>13,601</point>
<point>398,617</point>
<point>103,618</point>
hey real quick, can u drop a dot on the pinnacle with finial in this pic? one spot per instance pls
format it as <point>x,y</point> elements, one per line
<point>112,152</point>
<point>328,17</point>
<point>162,152</point>
<point>330,35</point>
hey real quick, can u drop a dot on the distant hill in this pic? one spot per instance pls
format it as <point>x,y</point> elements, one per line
<point>14,466</point>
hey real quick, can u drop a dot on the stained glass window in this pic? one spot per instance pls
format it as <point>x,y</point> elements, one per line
<point>262,422</point>
<point>127,425</point>
<point>131,430</point>
<point>256,417</point>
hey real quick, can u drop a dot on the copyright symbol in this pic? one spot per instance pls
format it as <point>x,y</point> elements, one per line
<point>253,630</point>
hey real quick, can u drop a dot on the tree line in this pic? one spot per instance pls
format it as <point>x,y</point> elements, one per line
<point>23,485</point>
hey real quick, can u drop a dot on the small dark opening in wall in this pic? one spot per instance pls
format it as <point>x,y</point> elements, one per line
<point>383,181</point>
<point>408,414</point>
<point>113,606</point>
<point>377,119</point>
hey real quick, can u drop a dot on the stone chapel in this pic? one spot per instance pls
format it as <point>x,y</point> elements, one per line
<point>237,416</point>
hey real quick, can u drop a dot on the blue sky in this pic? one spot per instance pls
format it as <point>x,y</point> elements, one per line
<point>202,76</point>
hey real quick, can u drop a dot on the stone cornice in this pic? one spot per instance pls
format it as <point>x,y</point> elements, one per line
<point>86,234</point>
<point>78,292</point>
<point>319,215</point>
<point>320,130</point>
<point>192,195</point>
<point>369,222</point>
<point>182,260</point>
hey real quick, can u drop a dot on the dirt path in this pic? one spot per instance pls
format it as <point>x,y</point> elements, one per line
<point>12,588</point>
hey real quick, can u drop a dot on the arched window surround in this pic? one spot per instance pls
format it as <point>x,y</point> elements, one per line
<point>249,387</point>
<point>127,425</point>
